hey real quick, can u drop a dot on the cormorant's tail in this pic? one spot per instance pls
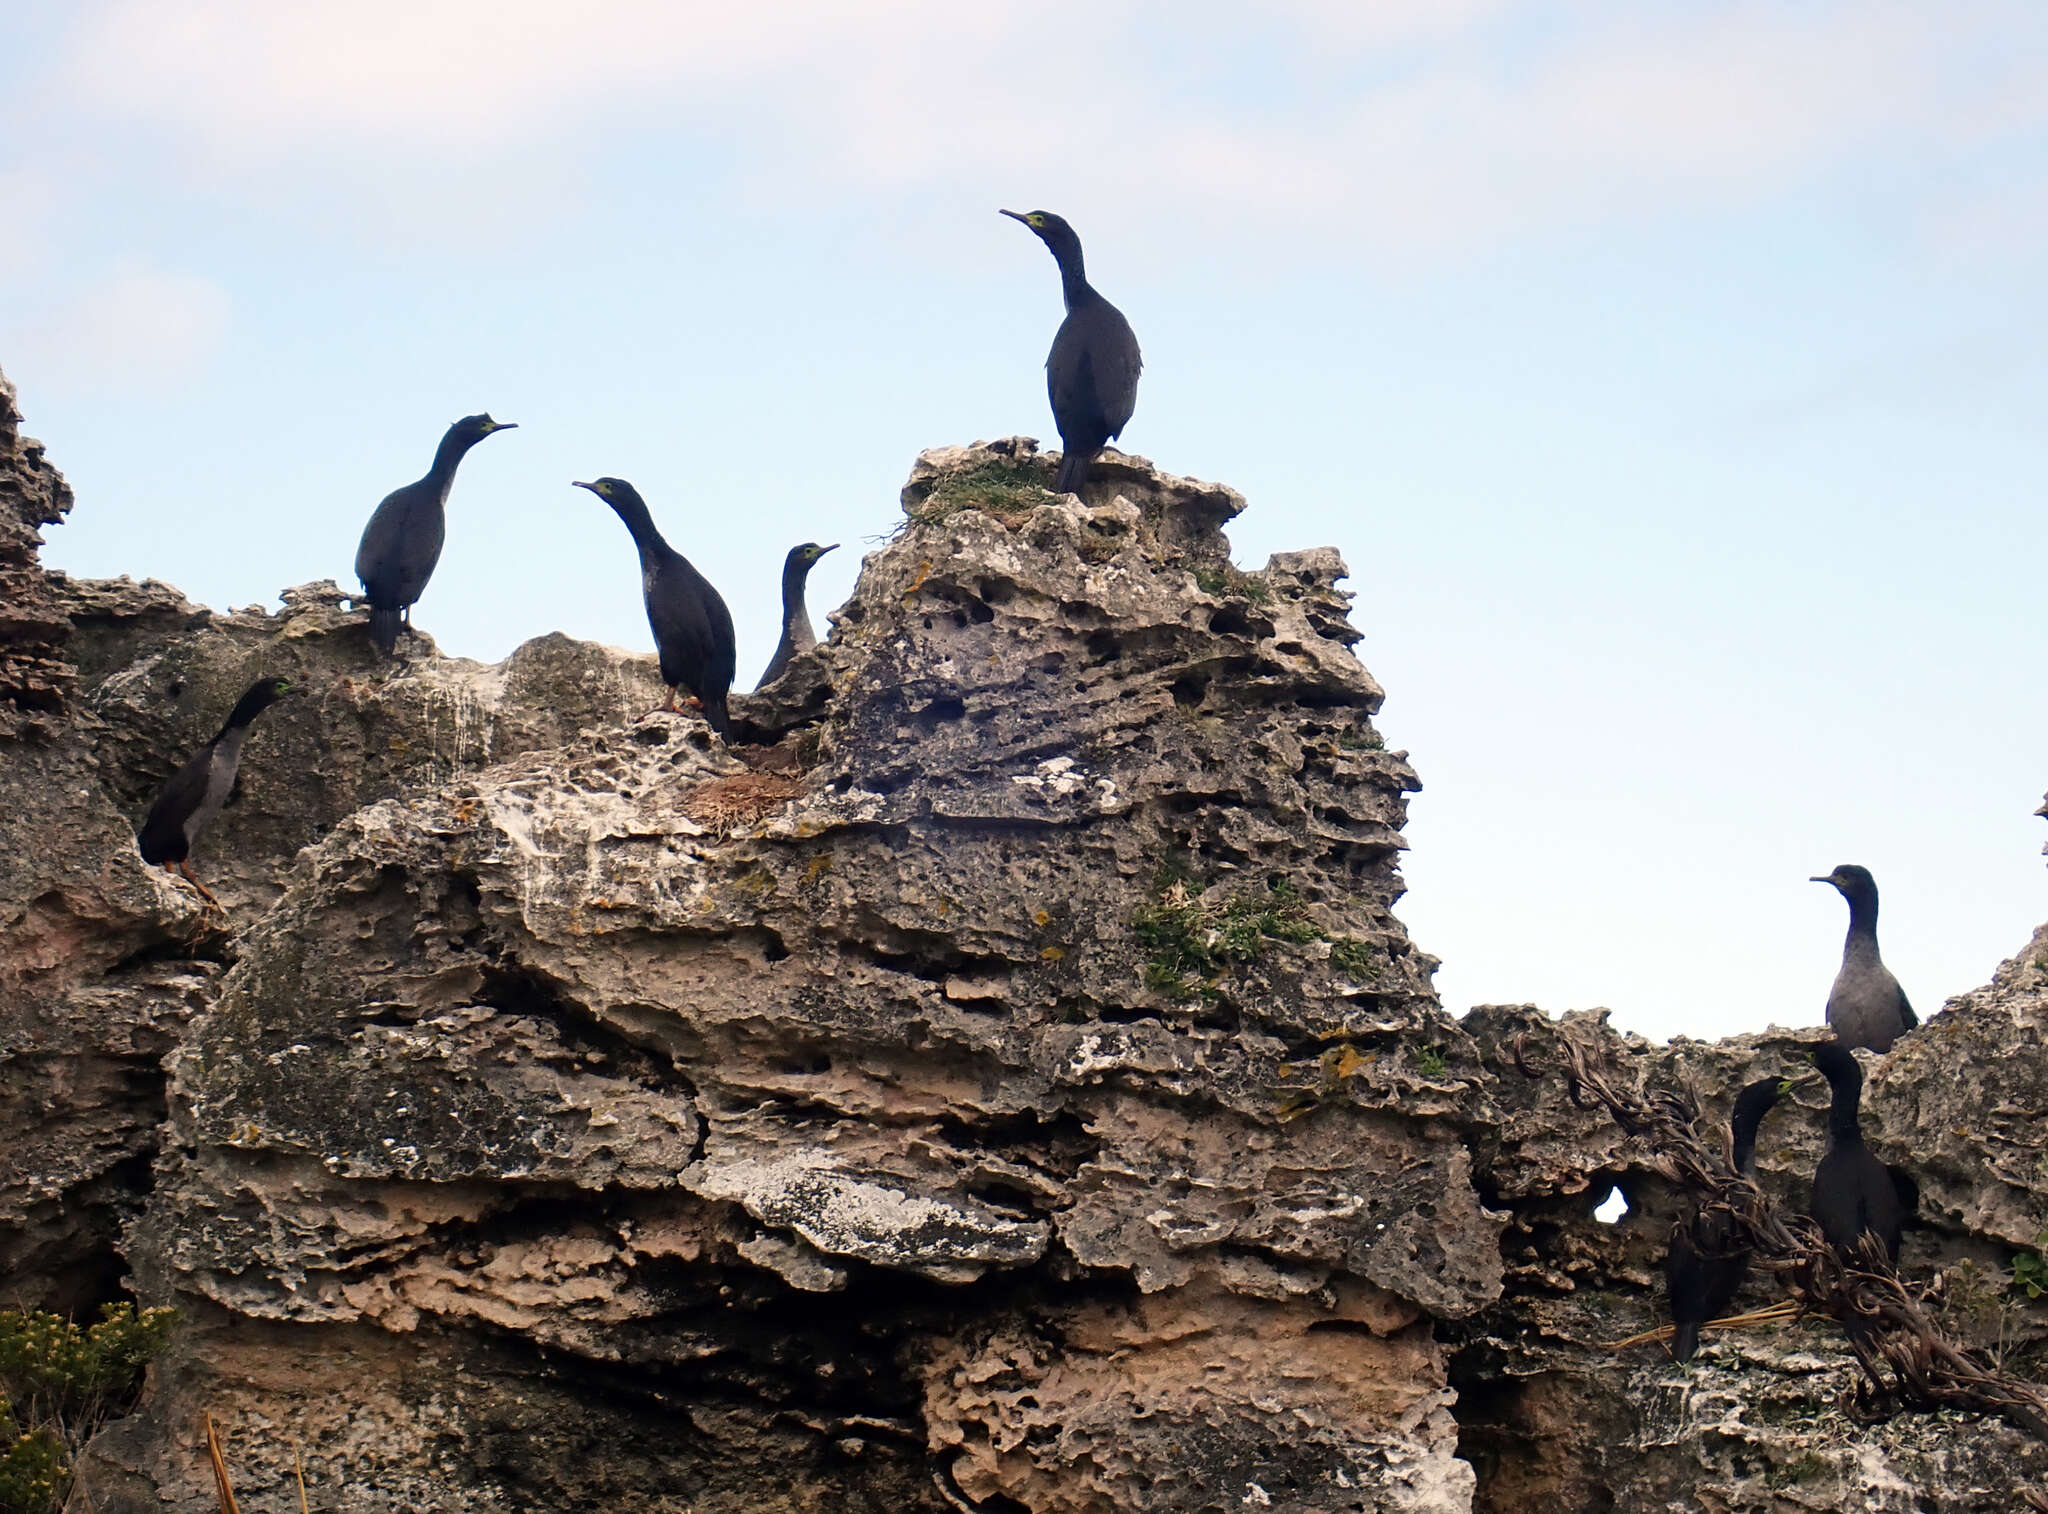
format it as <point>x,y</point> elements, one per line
<point>1074,469</point>
<point>1685,1339</point>
<point>715,713</point>
<point>384,629</point>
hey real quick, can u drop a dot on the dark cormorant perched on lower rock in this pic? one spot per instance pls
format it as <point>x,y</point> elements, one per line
<point>1866,1007</point>
<point>1707,1262</point>
<point>796,621</point>
<point>1852,1190</point>
<point>692,627</point>
<point>403,540</point>
<point>1091,374</point>
<point>196,792</point>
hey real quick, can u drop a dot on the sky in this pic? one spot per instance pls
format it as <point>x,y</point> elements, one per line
<point>1672,377</point>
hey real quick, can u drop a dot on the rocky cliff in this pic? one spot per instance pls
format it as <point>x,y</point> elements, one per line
<point>999,1083</point>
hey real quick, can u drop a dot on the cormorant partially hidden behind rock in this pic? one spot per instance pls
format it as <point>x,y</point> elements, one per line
<point>1707,1263</point>
<point>196,792</point>
<point>1852,1190</point>
<point>1866,1007</point>
<point>403,540</point>
<point>796,621</point>
<point>1092,371</point>
<point>692,627</point>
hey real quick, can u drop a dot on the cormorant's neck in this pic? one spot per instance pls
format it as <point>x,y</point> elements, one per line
<point>1066,251</point>
<point>793,575</point>
<point>1745,1129</point>
<point>452,450</point>
<point>1845,1128</point>
<point>640,522</point>
<point>229,741</point>
<point>1074,286</point>
<point>1860,945</point>
<point>239,720</point>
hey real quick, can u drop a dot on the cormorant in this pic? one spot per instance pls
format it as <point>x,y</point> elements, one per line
<point>796,621</point>
<point>403,540</point>
<point>1852,1190</point>
<point>1707,1263</point>
<point>692,627</point>
<point>1092,371</point>
<point>197,790</point>
<point>1866,1007</point>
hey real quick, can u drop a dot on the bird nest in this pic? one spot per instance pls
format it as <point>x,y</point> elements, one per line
<point>724,805</point>
<point>1906,1359</point>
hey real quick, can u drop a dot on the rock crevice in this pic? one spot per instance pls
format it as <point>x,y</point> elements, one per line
<point>1000,1082</point>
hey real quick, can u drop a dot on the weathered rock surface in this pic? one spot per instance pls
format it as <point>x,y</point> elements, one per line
<point>1763,1419</point>
<point>33,628</point>
<point>1007,1088</point>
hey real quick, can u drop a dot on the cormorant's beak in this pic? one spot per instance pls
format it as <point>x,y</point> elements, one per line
<point>504,426</point>
<point>577,483</point>
<point>1015,215</point>
<point>1820,880</point>
<point>833,548</point>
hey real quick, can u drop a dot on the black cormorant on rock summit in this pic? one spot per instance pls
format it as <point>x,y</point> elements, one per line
<point>1852,1190</point>
<point>796,621</point>
<point>1092,371</point>
<point>403,540</point>
<point>196,792</point>
<point>692,627</point>
<point>1866,1007</point>
<point>1707,1262</point>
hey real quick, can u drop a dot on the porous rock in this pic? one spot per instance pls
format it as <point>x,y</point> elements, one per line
<point>997,1082</point>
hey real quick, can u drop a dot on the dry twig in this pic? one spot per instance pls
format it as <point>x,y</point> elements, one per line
<point>1887,1328</point>
<point>220,1470</point>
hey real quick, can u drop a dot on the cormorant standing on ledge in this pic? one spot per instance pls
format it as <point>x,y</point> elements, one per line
<point>1866,1007</point>
<point>1707,1263</point>
<point>1092,371</point>
<point>796,621</point>
<point>1852,1190</point>
<point>403,540</point>
<point>196,792</point>
<point>692,627</point>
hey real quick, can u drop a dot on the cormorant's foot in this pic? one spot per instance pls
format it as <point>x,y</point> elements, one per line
<point>694,703</point>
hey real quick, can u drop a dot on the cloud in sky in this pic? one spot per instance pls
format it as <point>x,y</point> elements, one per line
<point>1407,128</point>
<point>137,325</point>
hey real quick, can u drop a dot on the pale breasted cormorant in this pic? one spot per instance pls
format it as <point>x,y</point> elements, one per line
<point>796,621</point>
<point>403,540</point>
<point>1866,1007</point>
<point>1852,1190</point>
<point>1092,371</point>
<point>692,627</point>
<point>1707,1262</point>
<point>196,792</point>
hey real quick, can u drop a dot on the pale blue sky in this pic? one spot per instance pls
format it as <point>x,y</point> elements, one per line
<point>1671,376</point>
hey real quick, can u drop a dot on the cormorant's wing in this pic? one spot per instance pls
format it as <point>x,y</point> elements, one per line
<point>1906,1011</point>
<point>401,545</point>
<point>692,628</point>
<point>162,837</point>
<point>1117,366</point>
<point>1907,1189</point>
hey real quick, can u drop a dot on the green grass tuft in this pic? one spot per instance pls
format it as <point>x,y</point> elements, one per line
<point>1225,581</point>
<point>999,486</point>
<point>1355,959</point>
<point>2030,1268</point>
<point>1192,937</point>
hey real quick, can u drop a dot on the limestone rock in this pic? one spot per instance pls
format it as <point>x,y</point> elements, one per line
<point>997,1081</point>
